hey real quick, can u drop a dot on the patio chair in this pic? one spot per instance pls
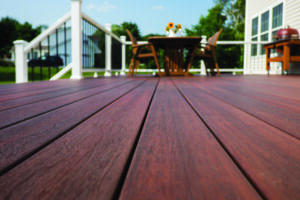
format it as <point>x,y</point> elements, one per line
<point>208,54</point>
<point>140,52</point>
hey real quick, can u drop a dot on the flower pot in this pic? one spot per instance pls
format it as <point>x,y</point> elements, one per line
<point>171,33</point>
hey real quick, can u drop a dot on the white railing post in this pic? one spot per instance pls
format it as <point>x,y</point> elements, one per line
<point>76,39</point>
<point>123,38</point>
<point>203,71</point>
<point>21,62</point>
<point>108,44</point>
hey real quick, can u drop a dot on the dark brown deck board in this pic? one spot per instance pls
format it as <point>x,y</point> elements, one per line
<point>56,92</point>
<point>278,116</point>
<point>24,138</point>
<point>274,96</point>
<point>282,87</point>
<point>77,143</point>
<point>178,158</point>
<point>87,162</point>
<point>270,157</point>
<point>21,113</point>
<point>34,88</point>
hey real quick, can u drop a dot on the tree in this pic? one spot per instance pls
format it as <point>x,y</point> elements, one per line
<point>12,30</point>
<point>228,15</point>
<point>131,26</point>
<point>8,33</point>
<point>120,30</point>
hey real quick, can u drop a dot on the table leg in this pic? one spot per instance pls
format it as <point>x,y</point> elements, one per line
<point>267,60</point>
<point>286,59</point>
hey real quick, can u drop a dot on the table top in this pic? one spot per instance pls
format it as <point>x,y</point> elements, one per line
<point>174,40</point>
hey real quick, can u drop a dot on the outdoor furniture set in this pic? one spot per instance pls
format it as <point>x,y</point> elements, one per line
<point>176,63</point>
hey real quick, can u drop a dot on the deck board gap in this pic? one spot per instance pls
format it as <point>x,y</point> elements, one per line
<point>119,188</point>
<point>85,87</point>
<point>222,145</point>
<point>32,153</point>
<point>256,117</point>
<point>61,106</point>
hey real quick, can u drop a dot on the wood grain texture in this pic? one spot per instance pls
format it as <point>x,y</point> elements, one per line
<point>276,96</point>
<point>28,89</point>
<point>270,157</point>
<point>57,91</point>
<point>178,158</point>
<point>277,115</point>
<point>28,136</point>
<point>12,116</point>
<point>88,161</point>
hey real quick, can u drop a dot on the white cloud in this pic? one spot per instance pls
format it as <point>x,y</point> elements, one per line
<point>158,7</point>
<point>104,7</point>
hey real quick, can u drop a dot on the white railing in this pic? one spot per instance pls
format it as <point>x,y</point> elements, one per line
<point>22,47</point>
<point>254,63</point>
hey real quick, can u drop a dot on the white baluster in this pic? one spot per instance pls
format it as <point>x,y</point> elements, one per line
<point>76,39</point>
<point>21,62</point>
<point>123,38</point>
<point>108,44</point>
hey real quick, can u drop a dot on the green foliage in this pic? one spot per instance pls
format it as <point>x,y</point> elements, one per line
<point>120,30</point>
<point>131,26</point>
<point>6,63</point>
<point>228,15</point>
<point>12,30</point>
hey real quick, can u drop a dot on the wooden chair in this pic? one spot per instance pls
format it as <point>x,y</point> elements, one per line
<point>140,52</point>
<point>208,54</point>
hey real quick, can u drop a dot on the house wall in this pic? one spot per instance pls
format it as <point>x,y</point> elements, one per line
<point>292,11</point>
<point>255,8</point>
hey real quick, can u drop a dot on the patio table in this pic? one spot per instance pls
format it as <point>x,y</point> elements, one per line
<point>286,57</point>
<point>174,64</point>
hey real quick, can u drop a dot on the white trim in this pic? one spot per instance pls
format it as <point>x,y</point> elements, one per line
<point>61,72</point>
<point>47,32</point>
<point>102,28</point>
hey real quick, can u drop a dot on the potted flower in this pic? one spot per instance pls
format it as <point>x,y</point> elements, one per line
<point>172,30</point>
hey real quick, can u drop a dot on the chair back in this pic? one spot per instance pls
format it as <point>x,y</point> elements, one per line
<point>133,40</point>
<point>212,41</point>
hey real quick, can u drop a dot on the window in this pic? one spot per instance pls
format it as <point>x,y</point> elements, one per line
<point>254,47</point>
<point>263,37</point>
<point>264,22</point>
<point>264,27</point>
<point>254,36</point>
<point>277,16</point>
<point>254,26</point>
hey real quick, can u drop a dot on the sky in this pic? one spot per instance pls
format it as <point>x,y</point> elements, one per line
<point>151,16</point>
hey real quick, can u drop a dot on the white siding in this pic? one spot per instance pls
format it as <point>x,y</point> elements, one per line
<point>292,14</point>
<point>254,8</point>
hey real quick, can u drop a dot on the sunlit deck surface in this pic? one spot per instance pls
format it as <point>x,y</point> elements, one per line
<point>151,138</point>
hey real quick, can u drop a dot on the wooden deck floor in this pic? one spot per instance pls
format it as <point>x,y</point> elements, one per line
<point>150,138</point>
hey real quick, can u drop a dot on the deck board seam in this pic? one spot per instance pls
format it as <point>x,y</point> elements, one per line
<point>82,89</point>
<point>120,185</point>
<point>256,117</point>
<point>53,109</point>
<point>24,158</point>
<point>252,183</point>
